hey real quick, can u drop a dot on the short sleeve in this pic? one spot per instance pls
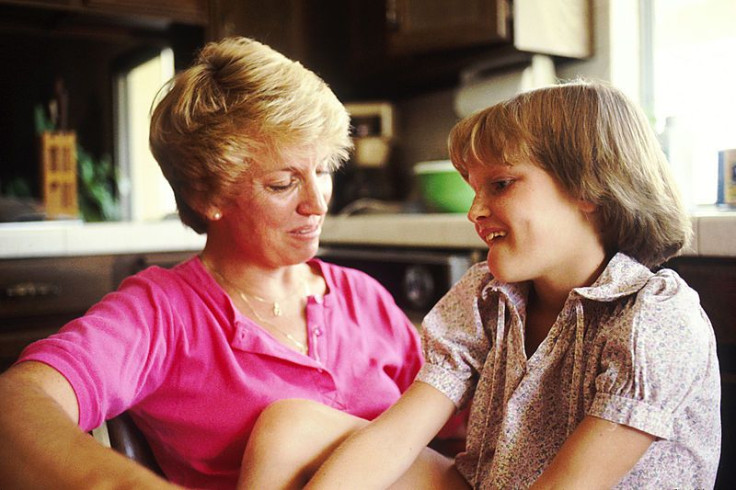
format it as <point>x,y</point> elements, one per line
<point>109,355</point>
<point>454,339</point>
<point>654,356</point>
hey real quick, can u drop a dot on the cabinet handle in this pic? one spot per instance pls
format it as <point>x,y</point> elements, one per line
<point>31,290</point>
<point>393,22</point>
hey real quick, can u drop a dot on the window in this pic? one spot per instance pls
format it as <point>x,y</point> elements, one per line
<point>689,69</point>
<point>145,194</point>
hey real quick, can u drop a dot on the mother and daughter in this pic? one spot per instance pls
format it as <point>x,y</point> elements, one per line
<point>584,364</point>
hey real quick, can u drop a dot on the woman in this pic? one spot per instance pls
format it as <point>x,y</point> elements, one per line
<point>247,139</point>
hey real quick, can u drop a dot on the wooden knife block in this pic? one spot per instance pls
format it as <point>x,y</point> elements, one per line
<point>59,174</point>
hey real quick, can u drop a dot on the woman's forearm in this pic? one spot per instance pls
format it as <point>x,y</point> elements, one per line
<point>42,447</point>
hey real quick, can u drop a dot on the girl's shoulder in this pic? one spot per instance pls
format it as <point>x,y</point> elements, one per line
<point>636,298</point>
<point>667,296</point>
<point>664,310</point>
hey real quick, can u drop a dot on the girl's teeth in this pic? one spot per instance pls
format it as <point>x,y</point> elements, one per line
<point>495,234</point>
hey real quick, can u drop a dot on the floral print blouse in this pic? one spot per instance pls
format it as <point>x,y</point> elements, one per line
<point>634,348</point>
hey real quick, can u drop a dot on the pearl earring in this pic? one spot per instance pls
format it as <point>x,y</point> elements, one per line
<point>216,215</point>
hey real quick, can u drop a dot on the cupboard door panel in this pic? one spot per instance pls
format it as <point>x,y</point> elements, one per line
<point>187,11</point>
<point>715,282</point>
<point>48,286</point>
<point>416,26</point>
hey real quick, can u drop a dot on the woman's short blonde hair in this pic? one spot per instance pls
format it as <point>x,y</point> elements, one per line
<point>239,101</point>
<point>599,145</point>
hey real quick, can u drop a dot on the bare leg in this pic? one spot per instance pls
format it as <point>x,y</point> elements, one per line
<point>292,438</point>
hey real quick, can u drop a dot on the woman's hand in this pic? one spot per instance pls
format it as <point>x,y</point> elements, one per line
<point>596,455</point>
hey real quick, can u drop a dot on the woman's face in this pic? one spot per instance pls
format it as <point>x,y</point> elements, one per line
<point>533,228</point>
<point>276,220</point>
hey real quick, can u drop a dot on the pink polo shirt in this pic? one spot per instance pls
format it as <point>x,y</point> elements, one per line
<point>170,346</point>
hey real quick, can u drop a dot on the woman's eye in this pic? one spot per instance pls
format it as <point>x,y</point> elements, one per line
<point>281,186</point>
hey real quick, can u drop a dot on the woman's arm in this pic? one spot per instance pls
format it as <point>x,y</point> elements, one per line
<point>596,455</point>
<point>42,446</point>
<point>381,452</point>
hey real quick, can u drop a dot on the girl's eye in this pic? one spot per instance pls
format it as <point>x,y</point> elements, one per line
<point>501,185</point>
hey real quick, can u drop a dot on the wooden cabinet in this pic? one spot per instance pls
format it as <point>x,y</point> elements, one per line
<point>184,11</point>
<point>715,281</point>
<point>389,48</point>
<point>420,26</point>
<point>39,295</point>
<point>554,27</point>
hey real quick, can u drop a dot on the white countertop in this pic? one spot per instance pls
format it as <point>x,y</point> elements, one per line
<point>715,235</point>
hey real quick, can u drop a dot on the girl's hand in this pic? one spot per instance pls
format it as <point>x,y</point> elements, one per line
<point>383,451</point>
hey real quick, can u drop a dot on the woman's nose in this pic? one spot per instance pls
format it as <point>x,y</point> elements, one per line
<point>316,193</point>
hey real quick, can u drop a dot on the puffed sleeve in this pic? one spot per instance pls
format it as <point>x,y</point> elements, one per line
<point>654,357</point>
<point>454,340</point>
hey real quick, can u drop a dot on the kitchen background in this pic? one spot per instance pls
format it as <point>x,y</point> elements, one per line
<point>408,69</point>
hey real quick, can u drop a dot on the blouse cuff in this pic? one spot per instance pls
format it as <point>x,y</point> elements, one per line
<point>447,382</point>
<point>632,413</point>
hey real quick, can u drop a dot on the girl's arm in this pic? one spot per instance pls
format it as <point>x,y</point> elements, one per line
<point>596,455</point>
<point>381,452</point>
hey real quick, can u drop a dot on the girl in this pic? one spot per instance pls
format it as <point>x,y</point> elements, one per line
<point>586,369</point>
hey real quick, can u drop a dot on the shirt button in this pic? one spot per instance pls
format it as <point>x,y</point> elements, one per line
<point>318,331</point>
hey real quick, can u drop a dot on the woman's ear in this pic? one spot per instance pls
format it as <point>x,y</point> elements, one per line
<point>587,207</point>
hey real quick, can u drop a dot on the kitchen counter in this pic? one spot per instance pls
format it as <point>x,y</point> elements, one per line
<point>714,235</point>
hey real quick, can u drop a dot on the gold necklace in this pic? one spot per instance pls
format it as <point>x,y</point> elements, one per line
<point>275,307</point>
<point>302,348</point>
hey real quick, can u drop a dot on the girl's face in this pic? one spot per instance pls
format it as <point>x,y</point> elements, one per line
<point>533,228</point>
<point>277,218</point>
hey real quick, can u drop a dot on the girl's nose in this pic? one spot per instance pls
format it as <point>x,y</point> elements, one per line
<point>478,209</point>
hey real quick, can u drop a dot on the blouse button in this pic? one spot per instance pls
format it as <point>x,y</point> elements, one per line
<point>318,331</point>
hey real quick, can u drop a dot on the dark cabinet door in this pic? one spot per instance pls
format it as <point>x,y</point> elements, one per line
<point>185,11</point>
<point>417,26</point>
<point>715,281</point>
<point>373,49</point>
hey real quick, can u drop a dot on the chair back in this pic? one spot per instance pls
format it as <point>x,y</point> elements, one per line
<point>127,439</point>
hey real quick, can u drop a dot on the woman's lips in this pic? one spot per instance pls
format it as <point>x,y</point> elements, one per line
<point>311,231</point>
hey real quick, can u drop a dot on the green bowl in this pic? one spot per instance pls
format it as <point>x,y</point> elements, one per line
<point>442,187</point>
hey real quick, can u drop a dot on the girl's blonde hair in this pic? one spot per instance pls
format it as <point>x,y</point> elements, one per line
<point>599,145</point>
<point>239,101</point>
